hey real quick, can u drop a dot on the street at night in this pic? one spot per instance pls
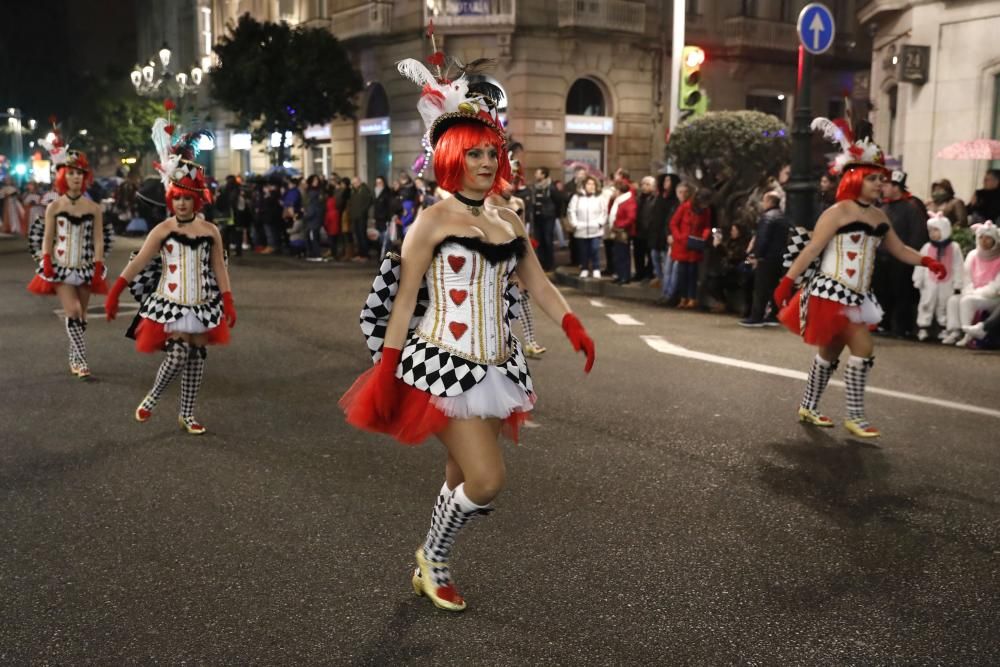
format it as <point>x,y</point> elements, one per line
<point>665,509</point>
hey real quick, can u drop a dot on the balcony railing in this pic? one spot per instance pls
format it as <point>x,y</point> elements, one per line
<point>750,33</point>
<point>367,19</point>
<point>616,15</point>
<point>471,16</point>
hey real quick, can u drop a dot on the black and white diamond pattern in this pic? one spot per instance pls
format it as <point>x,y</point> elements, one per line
<point>147,279</point>
<point>516,368</point>
<point>155,307</point>
<point>798,239</point>
<point>831,290</point>
<point>36,236</point>
<point>431,369</point>
<point>378,306</point>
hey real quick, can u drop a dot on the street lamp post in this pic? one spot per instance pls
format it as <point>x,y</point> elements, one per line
<point>152,81</point>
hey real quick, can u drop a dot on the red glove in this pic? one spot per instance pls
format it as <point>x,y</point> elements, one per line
<point>386,394</point>
<point>111,300</point>
<point>579,339</point>
<point>935,267</point>
<point>783,292</point>
<point>47,266</point>
<point>229,309</point>
<point>97,284</point>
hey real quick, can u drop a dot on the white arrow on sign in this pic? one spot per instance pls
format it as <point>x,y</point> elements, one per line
<point>816,27</point>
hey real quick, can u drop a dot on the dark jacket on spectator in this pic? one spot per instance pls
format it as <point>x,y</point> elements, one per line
<point>381,208</point>
<point>359,203</point>
<point>909,221</point>
<point>772,236</point>
<point>987,205</point>
<point>659,228</point>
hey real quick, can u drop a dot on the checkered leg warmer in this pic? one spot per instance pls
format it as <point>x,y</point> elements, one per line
<point>819,376</point>
<point>194,371</point>
<point>527,318</point>
<point>77,343</point>
<point>452,511</point>
<point>173,363</point>
<point>855,379</point>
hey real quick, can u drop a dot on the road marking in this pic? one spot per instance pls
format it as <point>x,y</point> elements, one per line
<point>531,423</point>
<point>624,320</point>
<point>597,304</point>
<point>659,344</point>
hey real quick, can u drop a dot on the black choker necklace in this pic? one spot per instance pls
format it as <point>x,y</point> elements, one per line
<point>184,222</point>
<point>72,198</point>
<point>861,204</point>
<point>473,205</point>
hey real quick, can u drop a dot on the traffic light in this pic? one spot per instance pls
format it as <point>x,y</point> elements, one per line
<point>692,96</point>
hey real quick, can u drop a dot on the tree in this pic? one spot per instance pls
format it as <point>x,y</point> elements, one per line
<point>123,122</point>
<point>279,78</point>
<point>732,153</point>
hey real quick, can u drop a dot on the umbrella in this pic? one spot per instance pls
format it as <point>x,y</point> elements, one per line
<point>978,149</point>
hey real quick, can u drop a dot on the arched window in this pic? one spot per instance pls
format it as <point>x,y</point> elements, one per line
<point>378,101</point>
<point>585,98</point>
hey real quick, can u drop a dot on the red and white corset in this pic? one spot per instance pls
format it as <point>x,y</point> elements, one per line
<point>849,258</point>
<point>185,266</point>
<point>73,235</point>
<point>466,312</point>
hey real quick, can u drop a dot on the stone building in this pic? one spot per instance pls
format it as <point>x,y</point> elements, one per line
<point>935,80</point>
<point>586,81</point>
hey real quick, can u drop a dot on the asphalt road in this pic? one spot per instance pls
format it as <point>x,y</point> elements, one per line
<point>666,510</point>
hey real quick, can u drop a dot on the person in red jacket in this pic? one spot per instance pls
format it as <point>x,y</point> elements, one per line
<point>622,221</point>
<point>690,228</point>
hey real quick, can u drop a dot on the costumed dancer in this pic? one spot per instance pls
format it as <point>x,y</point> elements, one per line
<point>71,249</point>
<point>835,307</point>
<point>180,278</point>
<point>934,291</point>
<point>449,365</point>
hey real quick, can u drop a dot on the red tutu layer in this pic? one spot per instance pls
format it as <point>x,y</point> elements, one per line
<point>41,286</point>
<point>825,321</point>
<point>416,417</point>
<point>150,336</point>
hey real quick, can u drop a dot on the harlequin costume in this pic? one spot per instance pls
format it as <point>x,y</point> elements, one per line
<point>71,257</point>
<point>178,290</point>
<point>460,358</point>
<point>836,290</point>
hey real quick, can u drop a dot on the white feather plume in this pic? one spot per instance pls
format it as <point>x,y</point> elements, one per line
<point>162,142</point>
<point>416,71</point>
<point>830,131</point>
<point>449,95</point>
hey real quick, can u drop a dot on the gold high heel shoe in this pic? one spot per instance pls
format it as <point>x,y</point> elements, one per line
<point>815,418</point>
<point>190,425</point>
<point>861,428</point>
<point>443,597</point>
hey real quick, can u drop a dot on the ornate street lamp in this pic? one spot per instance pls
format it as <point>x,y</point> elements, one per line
<point>152,81</point>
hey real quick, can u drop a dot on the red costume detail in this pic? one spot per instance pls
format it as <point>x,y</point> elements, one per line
<point>229,309</point>
<point>449,155</point>
<point>579,339</point>
<point>827,319</point>
<point>111,300</point>
<point>41,287</point>
<point>150,336</point>
<point>97,283</point>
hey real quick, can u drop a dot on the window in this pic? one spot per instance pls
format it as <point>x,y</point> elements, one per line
<point>585,99</point>
<point>748,8</point>
<point>775,104</point>
<point>893,105</point>
<point>693,7</point>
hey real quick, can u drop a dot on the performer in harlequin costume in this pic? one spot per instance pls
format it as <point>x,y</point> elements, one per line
<point>70,249</point>
<point>835,307</point>
<point>180,277</point>
<point>449,365</point>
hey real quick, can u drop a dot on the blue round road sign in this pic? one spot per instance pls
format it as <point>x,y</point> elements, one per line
<point>816,29</point>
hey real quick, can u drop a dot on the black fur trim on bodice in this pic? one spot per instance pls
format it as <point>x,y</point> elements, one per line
<point>859,226</point>
<point>189,241</point>
<point>494,253</point>
<point>75,219</point>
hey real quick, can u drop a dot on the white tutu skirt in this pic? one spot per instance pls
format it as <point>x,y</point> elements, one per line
<point>187,323</point>
<point>73,278</point>
<point>496,396</point>
<point>868,312</point>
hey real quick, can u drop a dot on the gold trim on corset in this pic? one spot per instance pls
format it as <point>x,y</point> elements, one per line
<point>437,297</point>
<point>499,361</point>
<point>480,321</point>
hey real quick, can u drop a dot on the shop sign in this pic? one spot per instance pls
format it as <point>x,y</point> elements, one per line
<point>604,125</point>
<point>914,64</point>
<point>373,126</point>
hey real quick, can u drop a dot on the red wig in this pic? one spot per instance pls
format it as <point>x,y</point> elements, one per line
<point>62,188</point>
<point>449,155</point>
<point>850,182</point>
<point>173,192</point>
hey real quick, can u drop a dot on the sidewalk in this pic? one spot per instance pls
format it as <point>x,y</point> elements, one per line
<point>570,277</point>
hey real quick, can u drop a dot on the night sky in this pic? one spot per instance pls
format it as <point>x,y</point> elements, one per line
<point>55,55</point>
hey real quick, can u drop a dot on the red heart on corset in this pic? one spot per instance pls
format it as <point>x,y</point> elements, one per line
<point>59,252</point>
<point>850,272</point>
<point>456,263</point>
<point>169,247</point>
<point>172,286</point>
<point>852,255</point>
<point>62,238</point>
<point>458,296</point>
<point>457,329</point>
<point>856,238</point>
<point>172,267</point>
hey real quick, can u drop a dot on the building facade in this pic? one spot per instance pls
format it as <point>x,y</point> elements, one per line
<point>584,81</point>
<point>935,80</point>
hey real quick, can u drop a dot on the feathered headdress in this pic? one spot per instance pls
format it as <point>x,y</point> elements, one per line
<point>62,155</point>
<point>853,153</point>
<point>176,165</point>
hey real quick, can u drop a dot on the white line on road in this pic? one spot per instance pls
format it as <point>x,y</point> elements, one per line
<point>624,320</point>
<point>659,344</point>
<point>597,303</point>
<point>127,307</point>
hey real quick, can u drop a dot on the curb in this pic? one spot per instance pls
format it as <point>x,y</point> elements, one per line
<point>569,277</point>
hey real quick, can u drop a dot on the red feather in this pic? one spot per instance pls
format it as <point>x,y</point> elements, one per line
<point>169,105</point>
<point>169,129</point>
<point>431,92</point>
<point>430,29</point>
<point>436,59</point>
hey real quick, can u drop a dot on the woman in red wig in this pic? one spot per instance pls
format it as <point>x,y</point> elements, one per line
<point>449,365</point>
<point>180,277</point>
<point>835,307</point>
<point>71,265</point>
